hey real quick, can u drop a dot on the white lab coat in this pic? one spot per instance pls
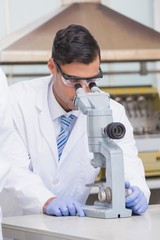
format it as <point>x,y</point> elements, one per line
<point>5,130</point>
<point>5,134</point>
<point>38,151</point>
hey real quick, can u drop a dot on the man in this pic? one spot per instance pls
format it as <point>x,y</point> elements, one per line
<point>50,179</point>
<point>5,134</point>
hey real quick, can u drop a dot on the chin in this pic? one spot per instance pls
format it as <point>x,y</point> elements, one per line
<point>71,107</point>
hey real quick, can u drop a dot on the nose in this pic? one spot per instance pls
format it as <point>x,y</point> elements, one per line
<point>85,86</point>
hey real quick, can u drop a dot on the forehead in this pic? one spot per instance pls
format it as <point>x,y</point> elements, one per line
<point>81,69</point>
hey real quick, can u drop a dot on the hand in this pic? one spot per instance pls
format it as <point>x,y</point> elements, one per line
<point>64,207</point>
<point>136,201</point>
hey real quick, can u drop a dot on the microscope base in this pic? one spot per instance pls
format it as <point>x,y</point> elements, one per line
<point>98,211</point>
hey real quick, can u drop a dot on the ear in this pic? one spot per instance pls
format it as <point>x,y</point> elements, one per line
<point>51,65</point>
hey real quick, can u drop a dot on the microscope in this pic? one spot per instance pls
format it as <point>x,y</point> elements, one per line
<point>107,154</point>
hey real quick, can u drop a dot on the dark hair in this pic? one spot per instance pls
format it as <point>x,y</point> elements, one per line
<point>75,44</point>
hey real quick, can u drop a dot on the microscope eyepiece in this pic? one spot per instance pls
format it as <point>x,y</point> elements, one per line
<point>92,84</point>
<point>93,87</point>
<point>78,85</point>
<point>115,130</point>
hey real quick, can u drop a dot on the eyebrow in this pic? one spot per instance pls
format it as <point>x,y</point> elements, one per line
<point>66,76</point>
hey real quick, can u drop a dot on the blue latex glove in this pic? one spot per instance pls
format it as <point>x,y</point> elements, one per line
<point>136,201</point>
<point>64,207</point>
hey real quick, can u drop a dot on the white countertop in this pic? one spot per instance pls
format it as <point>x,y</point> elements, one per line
<point>37,227</point>
<point>153,183</point>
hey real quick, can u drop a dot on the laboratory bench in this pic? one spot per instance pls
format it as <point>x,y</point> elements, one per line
<point>37,227</point>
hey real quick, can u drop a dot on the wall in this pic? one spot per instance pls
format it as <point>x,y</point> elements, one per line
<point>15,14</point>
<point>156,23</point>
<point>140,11</point>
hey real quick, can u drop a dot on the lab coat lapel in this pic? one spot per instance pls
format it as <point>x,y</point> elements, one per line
<point>47,130</point>
<point>45,121</point>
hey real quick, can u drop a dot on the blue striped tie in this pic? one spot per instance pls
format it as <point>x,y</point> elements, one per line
<point>64,133</point>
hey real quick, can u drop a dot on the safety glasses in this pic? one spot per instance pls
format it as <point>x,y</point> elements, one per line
<point>71,81</point>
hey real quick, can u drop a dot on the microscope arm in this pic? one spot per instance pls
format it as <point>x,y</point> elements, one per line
<point>101,130</point>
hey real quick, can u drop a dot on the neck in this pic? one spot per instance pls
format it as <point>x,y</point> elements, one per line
<point>61,102</point>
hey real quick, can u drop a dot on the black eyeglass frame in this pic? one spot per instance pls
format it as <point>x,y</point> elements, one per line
<point>69,77</point>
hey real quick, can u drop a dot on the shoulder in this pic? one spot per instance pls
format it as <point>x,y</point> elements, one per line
<point>115,106</point>
<point>29,87</point>
<point>30,84</point>
<point>118,111</point>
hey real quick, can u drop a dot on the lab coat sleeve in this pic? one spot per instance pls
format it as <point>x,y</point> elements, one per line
<point>5,130</point>
<point>26,187</point>
<point>133,167</point>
